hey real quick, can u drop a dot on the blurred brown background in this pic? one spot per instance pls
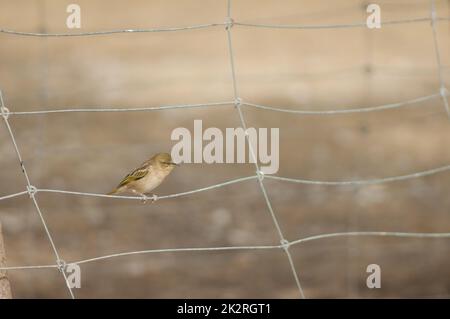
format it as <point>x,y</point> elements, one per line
<point>299,69</point>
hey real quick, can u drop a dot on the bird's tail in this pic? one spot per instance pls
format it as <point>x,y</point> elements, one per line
<point>114,191</point>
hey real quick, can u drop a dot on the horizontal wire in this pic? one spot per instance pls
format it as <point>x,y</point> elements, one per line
<point>238,180</point>
<point>29,267</point>
<point>371,233</point>
<point>331,26</point>
<point>242,179</point>
<point>95,33</point>
<point>345,111</point>
<point>260,247</point>
<point>173,250</point>
<point>244,103</point>
<point>130,109</point>
<point>365,181</point>
<point>211,25</point>
<point>13,195</point>
<point>234,181</point>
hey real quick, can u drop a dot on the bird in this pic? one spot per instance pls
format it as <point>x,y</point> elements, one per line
<point>147,176</point>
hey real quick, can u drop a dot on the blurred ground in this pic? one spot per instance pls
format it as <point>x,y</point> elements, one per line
<point>299,69</point>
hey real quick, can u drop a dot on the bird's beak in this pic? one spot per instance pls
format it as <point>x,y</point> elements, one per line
<point>174,164</point>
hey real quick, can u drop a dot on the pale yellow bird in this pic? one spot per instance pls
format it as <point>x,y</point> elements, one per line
<point>146,177</point>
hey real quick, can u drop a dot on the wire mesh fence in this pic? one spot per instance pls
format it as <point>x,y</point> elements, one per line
<point>237,103</point>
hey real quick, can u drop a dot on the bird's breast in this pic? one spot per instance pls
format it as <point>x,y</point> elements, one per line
<point>152,180</point>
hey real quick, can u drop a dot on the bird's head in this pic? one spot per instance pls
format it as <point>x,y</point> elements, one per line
<point>164,160</point>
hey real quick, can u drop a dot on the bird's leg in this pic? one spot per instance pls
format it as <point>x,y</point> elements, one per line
<point>144,197</point>
<point>154,198</point>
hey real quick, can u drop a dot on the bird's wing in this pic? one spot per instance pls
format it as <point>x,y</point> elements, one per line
<point>135,175</point>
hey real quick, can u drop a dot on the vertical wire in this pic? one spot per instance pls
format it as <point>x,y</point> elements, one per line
<point>32,191</point>
<point>285,243</point>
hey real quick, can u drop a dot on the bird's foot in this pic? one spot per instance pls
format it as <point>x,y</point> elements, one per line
<point>152,197</point>
<point>144,198</point>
